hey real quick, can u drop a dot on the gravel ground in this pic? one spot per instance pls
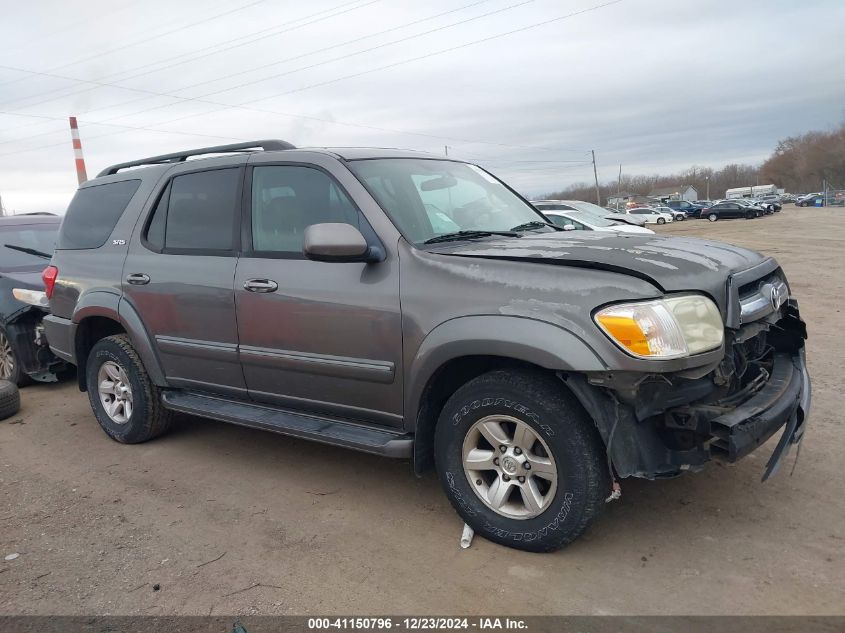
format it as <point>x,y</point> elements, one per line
<point>220,519</point>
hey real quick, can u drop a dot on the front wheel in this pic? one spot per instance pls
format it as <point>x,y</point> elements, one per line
<point>125,401</point>
<point>661,221</point>
<point>520,460</point>
<point>712,217</point>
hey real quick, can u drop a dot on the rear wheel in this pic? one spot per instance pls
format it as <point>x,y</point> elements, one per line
<point>520,460</point>
<point>125,401</point>
<point>712,217</point>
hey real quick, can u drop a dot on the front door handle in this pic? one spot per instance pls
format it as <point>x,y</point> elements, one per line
<point>260,285</point>
<point>138,279</point>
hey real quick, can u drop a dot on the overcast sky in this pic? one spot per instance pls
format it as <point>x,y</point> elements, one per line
<point>524,87</point>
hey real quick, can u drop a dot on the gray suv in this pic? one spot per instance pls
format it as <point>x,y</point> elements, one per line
<point>416,307</point>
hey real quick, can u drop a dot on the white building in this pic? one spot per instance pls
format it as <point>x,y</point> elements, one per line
<point>675,192</point>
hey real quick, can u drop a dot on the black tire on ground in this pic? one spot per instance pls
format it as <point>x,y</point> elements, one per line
<point>712,217</point>
<point>16,375</point>
<point>749,215</point>
<point>661,221</point>
<point>10,399</point>
<point>542,402</point>
<point>148,418</point>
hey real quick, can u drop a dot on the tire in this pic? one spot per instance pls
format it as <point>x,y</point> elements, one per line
<point>9,367</point>
<point>114,359</point>
<point>712,217</point>
<point>540,407</point>
<point>10,399</point>
<point>661,221</point>
<point>749,215</point>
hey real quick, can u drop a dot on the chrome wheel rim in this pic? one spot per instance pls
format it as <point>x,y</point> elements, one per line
<point>7,358</point>
<point>509,466</point>
<point>115,392</point>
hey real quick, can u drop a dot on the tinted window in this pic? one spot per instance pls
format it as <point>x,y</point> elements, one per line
<point>287,199</point>
<point>93,213</point>
<point>201,211</point>
<point>38,237</point>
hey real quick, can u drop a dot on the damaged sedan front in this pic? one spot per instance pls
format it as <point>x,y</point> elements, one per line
<point>26,245</point>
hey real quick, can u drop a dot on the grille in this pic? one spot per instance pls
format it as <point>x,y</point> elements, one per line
<point>762,297</point>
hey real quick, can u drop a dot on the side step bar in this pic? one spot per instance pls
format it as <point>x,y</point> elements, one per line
<point>294,423</point>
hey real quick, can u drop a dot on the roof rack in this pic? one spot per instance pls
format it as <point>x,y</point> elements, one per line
<point>179,157</point>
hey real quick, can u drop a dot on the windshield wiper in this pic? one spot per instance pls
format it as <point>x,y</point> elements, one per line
<point>468,235</point>
<point>535,224</point>
<point>29,251</point>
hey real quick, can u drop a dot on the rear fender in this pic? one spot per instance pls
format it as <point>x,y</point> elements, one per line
<point>111,305</point>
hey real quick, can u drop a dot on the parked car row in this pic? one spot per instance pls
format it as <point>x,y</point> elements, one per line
<point>740,208</point>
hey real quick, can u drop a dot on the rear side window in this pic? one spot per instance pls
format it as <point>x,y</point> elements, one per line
<point>93,214</point>
<point>197,212</point>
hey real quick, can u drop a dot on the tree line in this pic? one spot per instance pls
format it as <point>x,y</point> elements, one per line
<point>799,164</point>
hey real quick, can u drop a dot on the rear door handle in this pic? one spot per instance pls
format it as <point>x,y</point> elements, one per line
<point>138,279</point>
<point>260,285</point>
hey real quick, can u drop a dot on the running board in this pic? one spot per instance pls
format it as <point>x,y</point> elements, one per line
<point>294,423</point>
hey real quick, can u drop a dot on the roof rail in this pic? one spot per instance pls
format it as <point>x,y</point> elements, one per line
<point>179,157</point>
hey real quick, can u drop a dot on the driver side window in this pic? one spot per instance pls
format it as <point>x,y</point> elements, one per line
<point>287,199</point>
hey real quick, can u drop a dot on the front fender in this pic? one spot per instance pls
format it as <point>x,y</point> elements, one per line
<point>519,338</point>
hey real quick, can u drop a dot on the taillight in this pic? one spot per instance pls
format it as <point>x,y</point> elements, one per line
<point>49,278</point>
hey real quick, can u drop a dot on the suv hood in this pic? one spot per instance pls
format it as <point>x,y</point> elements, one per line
<point>672,264</point>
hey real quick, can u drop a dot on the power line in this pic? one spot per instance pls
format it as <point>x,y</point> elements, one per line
<point>148,39</point>
<point>151,93</point>
<point>283,74</point>
<point>201,98</point>
<point>87,20</point>
<point>392,65</point>
<point>214,50</point>
<point>225,106</point>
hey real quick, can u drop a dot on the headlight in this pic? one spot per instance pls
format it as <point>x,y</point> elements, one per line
<point>665,328</point>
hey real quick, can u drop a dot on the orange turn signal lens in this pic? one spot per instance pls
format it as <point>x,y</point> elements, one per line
<point>626,331</point>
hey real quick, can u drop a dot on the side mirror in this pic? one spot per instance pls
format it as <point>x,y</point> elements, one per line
<point>568,227</point>
<point>338,242</point>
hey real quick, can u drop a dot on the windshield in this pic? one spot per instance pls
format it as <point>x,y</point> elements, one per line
<point>428,198</point>
<point>39,237</point>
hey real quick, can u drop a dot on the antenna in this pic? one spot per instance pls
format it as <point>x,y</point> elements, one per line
<point>81,174</point>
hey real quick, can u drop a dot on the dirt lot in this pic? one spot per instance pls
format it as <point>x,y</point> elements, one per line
<point>217,518</point>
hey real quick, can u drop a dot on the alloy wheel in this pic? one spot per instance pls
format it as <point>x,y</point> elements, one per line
<point>509,467</point>
<point>7,358</point>
<point>115,392</point>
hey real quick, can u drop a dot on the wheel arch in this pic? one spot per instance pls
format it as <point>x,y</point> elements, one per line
<point>102,314</point>
<point>461,349</point>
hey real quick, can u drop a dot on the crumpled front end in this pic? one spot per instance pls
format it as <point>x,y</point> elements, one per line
<point>660,424</point>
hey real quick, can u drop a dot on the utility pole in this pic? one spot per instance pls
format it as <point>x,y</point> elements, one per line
<point>2,208</point>
<point>446,148</point>
<point>707,180</point>
<point>596,174</point>
<point>619,186</point>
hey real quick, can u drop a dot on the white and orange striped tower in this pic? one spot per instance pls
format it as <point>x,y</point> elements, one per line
<point>81,174</point>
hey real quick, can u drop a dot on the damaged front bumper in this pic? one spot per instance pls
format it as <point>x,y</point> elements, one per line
<point>660,425</point>
<point>784,402</point>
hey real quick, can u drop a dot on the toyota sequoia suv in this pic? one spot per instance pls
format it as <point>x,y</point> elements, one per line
<point>416,307</point>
